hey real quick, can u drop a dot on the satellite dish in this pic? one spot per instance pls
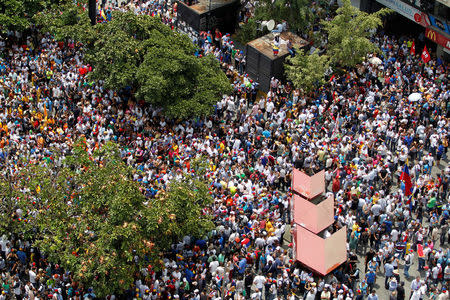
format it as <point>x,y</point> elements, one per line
<point>270,25</point>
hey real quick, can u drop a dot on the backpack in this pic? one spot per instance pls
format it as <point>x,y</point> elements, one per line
<point>408,260</point>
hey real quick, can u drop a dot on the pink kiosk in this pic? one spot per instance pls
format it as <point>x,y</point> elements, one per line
<point>313,213</point>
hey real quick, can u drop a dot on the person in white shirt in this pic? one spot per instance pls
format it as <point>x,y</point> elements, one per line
<point>32,276</point>
<point>259,281</point>
<point>394,235</point>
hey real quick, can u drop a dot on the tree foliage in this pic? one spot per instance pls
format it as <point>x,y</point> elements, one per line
<point>307,72</point>
<point>12,219</point>
<point>297,13</point>
<point>66,21</point>
<point>139,52</point>
<point>17,14</point>
<point>93,219</point>
<point>248,32</point>
<point>349,34</point>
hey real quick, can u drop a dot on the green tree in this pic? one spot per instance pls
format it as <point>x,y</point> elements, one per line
<point>307,72</point>
<point>17,14</point>
<point>12,218</point>
<point>349,34</point>
<point>93,219</point>
<point>66,21</point>
<point>139,52</point>
<point>297,13</point>
<point>248,32</point>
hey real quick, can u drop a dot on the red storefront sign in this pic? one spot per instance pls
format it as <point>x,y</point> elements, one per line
<point>438,38</point>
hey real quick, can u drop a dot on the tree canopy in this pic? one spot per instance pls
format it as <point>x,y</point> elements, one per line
<point>18,14</point>
<point>349,34</point>
<point>297,13</point>
<point>141,53</point>
<point>307,72</point>
<point>93,219</point>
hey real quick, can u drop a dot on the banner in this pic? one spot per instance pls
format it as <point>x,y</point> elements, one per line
<point>439,24</point>
<point>445,2</point>
<point>425,55</point>
<point>407,11</point>
<point>438,38</point>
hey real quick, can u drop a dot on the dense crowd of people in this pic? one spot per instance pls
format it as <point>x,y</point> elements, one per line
<point>360,127</point>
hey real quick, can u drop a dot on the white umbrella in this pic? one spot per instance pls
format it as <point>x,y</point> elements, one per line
<point>375,61</point>
<point>414,97</point>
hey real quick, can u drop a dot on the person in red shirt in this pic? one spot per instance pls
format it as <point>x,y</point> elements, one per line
<point>217,37</point>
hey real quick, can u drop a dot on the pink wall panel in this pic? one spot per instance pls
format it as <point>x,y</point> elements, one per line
<point>314,217</point>
<point>320,255</point>
<point>317,184</point>
<point>308,186</point>
<point>310,250</point>
<point>325,213</point>
<point>310,218</point>
<point>336,249</point>
<point>305,213</point>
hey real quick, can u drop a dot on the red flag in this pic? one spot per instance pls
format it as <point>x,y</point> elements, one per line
<point>413,48</point>
<point>425,55</point>
<point>406,180</point>
<point>420,250</point>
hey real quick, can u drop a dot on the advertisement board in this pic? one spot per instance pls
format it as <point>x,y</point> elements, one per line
<point>439,24</point>
<point>438,38</point>
<point>445,2</point>
<point>407,11</point>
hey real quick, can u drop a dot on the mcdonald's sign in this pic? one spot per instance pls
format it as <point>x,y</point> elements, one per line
<point>431,34</point>
<point>438,38</point>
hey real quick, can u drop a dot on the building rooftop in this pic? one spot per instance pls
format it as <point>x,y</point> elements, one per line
<point>203,5</point>
<point>264,43</point>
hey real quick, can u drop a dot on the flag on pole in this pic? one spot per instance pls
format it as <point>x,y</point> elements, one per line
<point>425,55</point>
<point>103,15</point>
<point>336,128</point>
<point>410,203</point>
<point>413,48</point>
<point>406,180</point>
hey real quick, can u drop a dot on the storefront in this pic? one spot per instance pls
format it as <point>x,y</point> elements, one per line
<point>427,23</point>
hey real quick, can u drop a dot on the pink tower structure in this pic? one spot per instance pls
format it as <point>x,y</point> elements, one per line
<point>313,213</point>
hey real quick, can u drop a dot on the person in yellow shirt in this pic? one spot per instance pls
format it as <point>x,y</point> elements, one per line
<point>269,228</point>
<point>288,139</point>
<point>40,141</point>
<point>5,129</point>
<point>221,147</point>
<point>375,198</point>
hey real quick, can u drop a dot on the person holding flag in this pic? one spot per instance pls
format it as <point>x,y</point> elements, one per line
<point>406,179</point>
<point>425,55</point>
<point>103,15</point>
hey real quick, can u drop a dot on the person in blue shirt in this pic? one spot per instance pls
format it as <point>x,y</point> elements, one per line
<point>388,272</point>
<point>22,256</point>
<point>440,152</point>
<point>242,266</point>
<point>371,278</point>
<point>372,295</point>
